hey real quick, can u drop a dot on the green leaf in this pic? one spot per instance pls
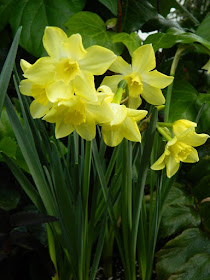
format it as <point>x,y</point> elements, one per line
<point>183,102</point>
<point>5,12</point>
<point>131,41</point>
<point>5,126</point>
<point>93,31</point>
<point>203,28</point>
<point>7,69</point>
<point>8,146</point>
<point>135,14</point>
<point>196,268</point>
<point>111,5</point>
<point>205,116</point>
<point>35,15</point>
<point>9,198</point>
<point>179,213</point>
<point>174,36</point>
<point>177,252</point>
<point>202,189</point>
<point>204,212</point>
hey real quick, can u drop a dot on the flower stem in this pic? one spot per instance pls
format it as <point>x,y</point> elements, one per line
<point>164,124</point>
<point>163,133</point>
<point>172,73</point>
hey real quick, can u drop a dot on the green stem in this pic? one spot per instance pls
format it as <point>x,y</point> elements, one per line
<point>170,87</point>
<point>164,124</point>
<point>163,133</point>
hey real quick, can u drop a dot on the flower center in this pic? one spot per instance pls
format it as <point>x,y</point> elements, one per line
<point>66,70</point>
<point>180,151</point>
<point>76,114</point>
<point>134,84</point>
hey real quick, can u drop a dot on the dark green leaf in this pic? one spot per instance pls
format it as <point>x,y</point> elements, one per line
<point>204,212</point>
<point>203,28</point>
<point>8,146</point>
<point>30,218</point>
<point>161,40</point>
<point>93,31</point>
<point>179,213</point>
<point>9,198</point>
<point>5,126</point>
<point>7,69</point>
<point>5,11</point>
<point>183,101</point>
<point>35,15</point>
<point>111,5</point>
<point>204,121</point>
<point>196,268</point>
<point>131,41</point>
<point>178,251</point>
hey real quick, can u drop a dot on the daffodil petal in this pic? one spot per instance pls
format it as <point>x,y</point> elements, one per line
<point>192,157</point>
<point>120,113</point>
<point>62,129</point>
<point>152,95</point>
<point>58,91</point>
<point>101,113</point>
<point>37,110</point>
<point>172,166</point>
<point>134,102</point>
<point>143,59</point>
<point>130,130</point>
<point>24,65</point>
<point>120,66</point>
<point>157,79</point>
<point>180,126</point>
<point>160,163</point>
<point>25,87</point>
<point>112,135</point>
<point>195,139</point>
<point>41,72</point>
<point>84,86</point>
<point>87,130</point>
<point>112,82</point>
<point>74,47</point>
<point>137,115</point>
<point>97,60</point>
<point>53,41</point>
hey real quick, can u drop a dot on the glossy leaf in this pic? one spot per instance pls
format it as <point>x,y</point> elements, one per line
<point>183,102</point>
<point>204,212</point>
<point>177,252</point>
<point>111,5</point>
<point>35,15</point>
<point>93,31</point>
<point>205,116</point>
<point>203,28</point>
<point>5,11</point>
<point>178,214</point>
<point>131,41</point>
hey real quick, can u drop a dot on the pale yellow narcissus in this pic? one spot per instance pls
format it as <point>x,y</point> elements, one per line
<point>143,80</point>
<point>180,148</point>
<point>78,114</point>
<point>68,70</point>
<point>123,125</point>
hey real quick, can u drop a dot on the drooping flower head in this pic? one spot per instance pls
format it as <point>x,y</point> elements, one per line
<point>181,147</point>
<point>143,80</point>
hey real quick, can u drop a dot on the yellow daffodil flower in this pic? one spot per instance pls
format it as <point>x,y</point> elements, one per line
<point>68,69</point>
<point>77,114</point>
<point>142,79</point>
<point>180,148</point>
<point>123,125</point>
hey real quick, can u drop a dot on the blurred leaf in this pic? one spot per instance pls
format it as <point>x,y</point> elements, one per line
<point>203,28</point>
<point>204,212</point>
<point>174,36</point>
<point>131,41</point>
<point>111,5</point>
<point>196,268</point>
<point>5,12</point>
<point>204,121</point>
<point>30,218</point>
<point>179,213</point>
<point>135,13</point>
<point>5,126</point>
<point>8,146</point>
<point>199,171</point>
<point>177,252</point>
<point>9,198</point>
<point>93,31</point>
<point>165,6</point>
<point>182,102</point>
<point>202,189</point>
<point>35,15</point>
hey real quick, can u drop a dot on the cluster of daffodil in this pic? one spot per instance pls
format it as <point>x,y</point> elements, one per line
<point>62,85</point>
<point>63,88</point>
<point>180,148</point>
